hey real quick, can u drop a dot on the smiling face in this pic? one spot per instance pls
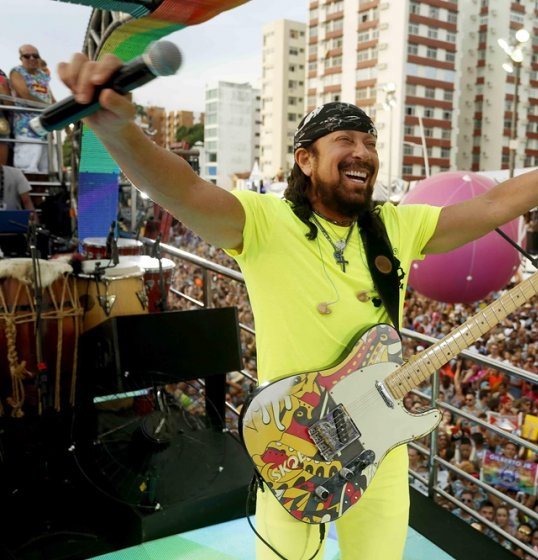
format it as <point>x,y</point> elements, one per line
<point>342,167</point>
<point>30,58</point>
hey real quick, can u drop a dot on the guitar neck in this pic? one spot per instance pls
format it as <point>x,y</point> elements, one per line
<point>419,368</point>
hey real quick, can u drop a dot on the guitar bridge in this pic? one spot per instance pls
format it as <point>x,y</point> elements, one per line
<point>333,433</point>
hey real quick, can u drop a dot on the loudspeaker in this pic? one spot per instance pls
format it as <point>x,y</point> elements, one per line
<point>209,491</point>
<point>121,351</point>
<point>160,468</point>
<point>132,352</point>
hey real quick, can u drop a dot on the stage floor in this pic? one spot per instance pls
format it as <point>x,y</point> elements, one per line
<point>234,540</point>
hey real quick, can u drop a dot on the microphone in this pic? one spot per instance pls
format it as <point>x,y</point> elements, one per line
<point>161,58</point>
<point>156,247</point>
<point>110,241</point>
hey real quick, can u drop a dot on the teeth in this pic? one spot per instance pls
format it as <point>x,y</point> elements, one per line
<point>358,174</point>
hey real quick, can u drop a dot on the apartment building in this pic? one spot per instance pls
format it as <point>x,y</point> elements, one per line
<point>282,93</point>
<point>430,74</point>
<point>231,131</point>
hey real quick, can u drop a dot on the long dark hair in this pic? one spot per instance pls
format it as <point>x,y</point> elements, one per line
<point>295,193</point>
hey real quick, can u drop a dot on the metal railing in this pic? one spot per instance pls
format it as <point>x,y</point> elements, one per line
<point>213,273</point>
<point>53,140</point>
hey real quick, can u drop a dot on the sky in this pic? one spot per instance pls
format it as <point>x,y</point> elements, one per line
<point>227,47</point>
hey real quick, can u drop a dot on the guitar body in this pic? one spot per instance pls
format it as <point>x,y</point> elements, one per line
<point>318,438</point>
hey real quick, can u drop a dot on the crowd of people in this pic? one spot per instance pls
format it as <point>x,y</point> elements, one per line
<point>481,391</point>
<point>464,383</point>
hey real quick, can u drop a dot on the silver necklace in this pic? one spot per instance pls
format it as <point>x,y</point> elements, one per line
<point>338,246</point>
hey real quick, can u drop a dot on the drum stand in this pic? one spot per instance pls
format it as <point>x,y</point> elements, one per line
<point>156,254</point>
<point>45,399</point>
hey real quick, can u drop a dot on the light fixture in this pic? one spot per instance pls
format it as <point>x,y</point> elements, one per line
<point>522,35</point>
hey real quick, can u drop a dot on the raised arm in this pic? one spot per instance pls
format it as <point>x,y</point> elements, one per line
<point>463,222</point>
<point>212,212</point>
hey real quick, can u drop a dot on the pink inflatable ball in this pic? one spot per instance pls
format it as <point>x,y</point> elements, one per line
<point>473,271</point>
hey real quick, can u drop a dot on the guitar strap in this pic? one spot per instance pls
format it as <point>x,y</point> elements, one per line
<point>384,267</point>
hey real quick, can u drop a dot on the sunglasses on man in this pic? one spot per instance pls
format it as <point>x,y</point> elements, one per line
<point>28,56</point>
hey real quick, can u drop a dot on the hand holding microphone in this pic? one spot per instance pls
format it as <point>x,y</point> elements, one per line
<point>162,58</point>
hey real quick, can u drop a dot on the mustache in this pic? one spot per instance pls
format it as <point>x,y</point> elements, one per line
<point>354,166</point>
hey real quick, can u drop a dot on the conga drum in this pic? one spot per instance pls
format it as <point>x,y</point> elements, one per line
<point>110,291</point>
<point>152,279</point>
<point>39,330</point>
<point>95,247</point>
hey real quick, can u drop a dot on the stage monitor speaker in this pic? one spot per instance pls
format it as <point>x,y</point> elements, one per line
<point>122,352</point>
<point>130,353</point>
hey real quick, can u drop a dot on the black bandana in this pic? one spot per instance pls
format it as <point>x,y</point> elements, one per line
<point>329,118</point>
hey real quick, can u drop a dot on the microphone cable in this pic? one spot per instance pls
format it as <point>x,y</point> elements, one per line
<point>251,499</point>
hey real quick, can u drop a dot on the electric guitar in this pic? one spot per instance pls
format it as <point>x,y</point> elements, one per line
<point>318,438</point>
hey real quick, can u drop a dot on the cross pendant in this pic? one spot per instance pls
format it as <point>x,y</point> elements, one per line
<point>339,258</point>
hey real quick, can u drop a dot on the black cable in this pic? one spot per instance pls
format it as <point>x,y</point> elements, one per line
<point>534,260</point>
<point>250,501</point>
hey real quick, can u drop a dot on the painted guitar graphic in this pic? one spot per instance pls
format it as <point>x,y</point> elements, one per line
<point>318,438</point>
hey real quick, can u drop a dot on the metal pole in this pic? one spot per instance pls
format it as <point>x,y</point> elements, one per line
<point>513,124</point>
<point>424,148</point>
<point>389,187</point>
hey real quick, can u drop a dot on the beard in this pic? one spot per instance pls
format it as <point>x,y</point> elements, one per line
<point>336,196</point>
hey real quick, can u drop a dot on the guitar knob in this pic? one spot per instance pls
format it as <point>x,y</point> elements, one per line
<point>367,457</point>
<point>346,474</point>
<point>321,492</point>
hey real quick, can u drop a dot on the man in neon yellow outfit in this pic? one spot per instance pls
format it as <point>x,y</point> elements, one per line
<point>305,268</point>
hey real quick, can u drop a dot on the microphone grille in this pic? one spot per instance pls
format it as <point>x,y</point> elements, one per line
<point>163,58</point>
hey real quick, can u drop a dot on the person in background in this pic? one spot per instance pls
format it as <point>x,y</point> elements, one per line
<point>5,127</point>
<point>29,83</point>
<point>14,195</point>
<point>303,262</point>
<point>14,189</point>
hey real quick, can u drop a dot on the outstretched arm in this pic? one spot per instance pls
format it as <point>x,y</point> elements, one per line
<point>212,212</point>
<point>466,221</point>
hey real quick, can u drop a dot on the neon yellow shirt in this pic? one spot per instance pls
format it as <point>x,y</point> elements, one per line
<point>287,280</point>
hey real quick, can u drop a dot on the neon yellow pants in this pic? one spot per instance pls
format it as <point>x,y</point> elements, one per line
<point>374,529</point>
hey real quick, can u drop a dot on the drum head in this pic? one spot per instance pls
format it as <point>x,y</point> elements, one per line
<point>125,269</point>
<point>147,263</point>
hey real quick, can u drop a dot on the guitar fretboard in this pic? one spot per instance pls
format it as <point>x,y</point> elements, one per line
<point>411,374</point>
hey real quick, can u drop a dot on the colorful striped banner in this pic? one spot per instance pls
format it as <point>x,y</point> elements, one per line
<point>98,174</point>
